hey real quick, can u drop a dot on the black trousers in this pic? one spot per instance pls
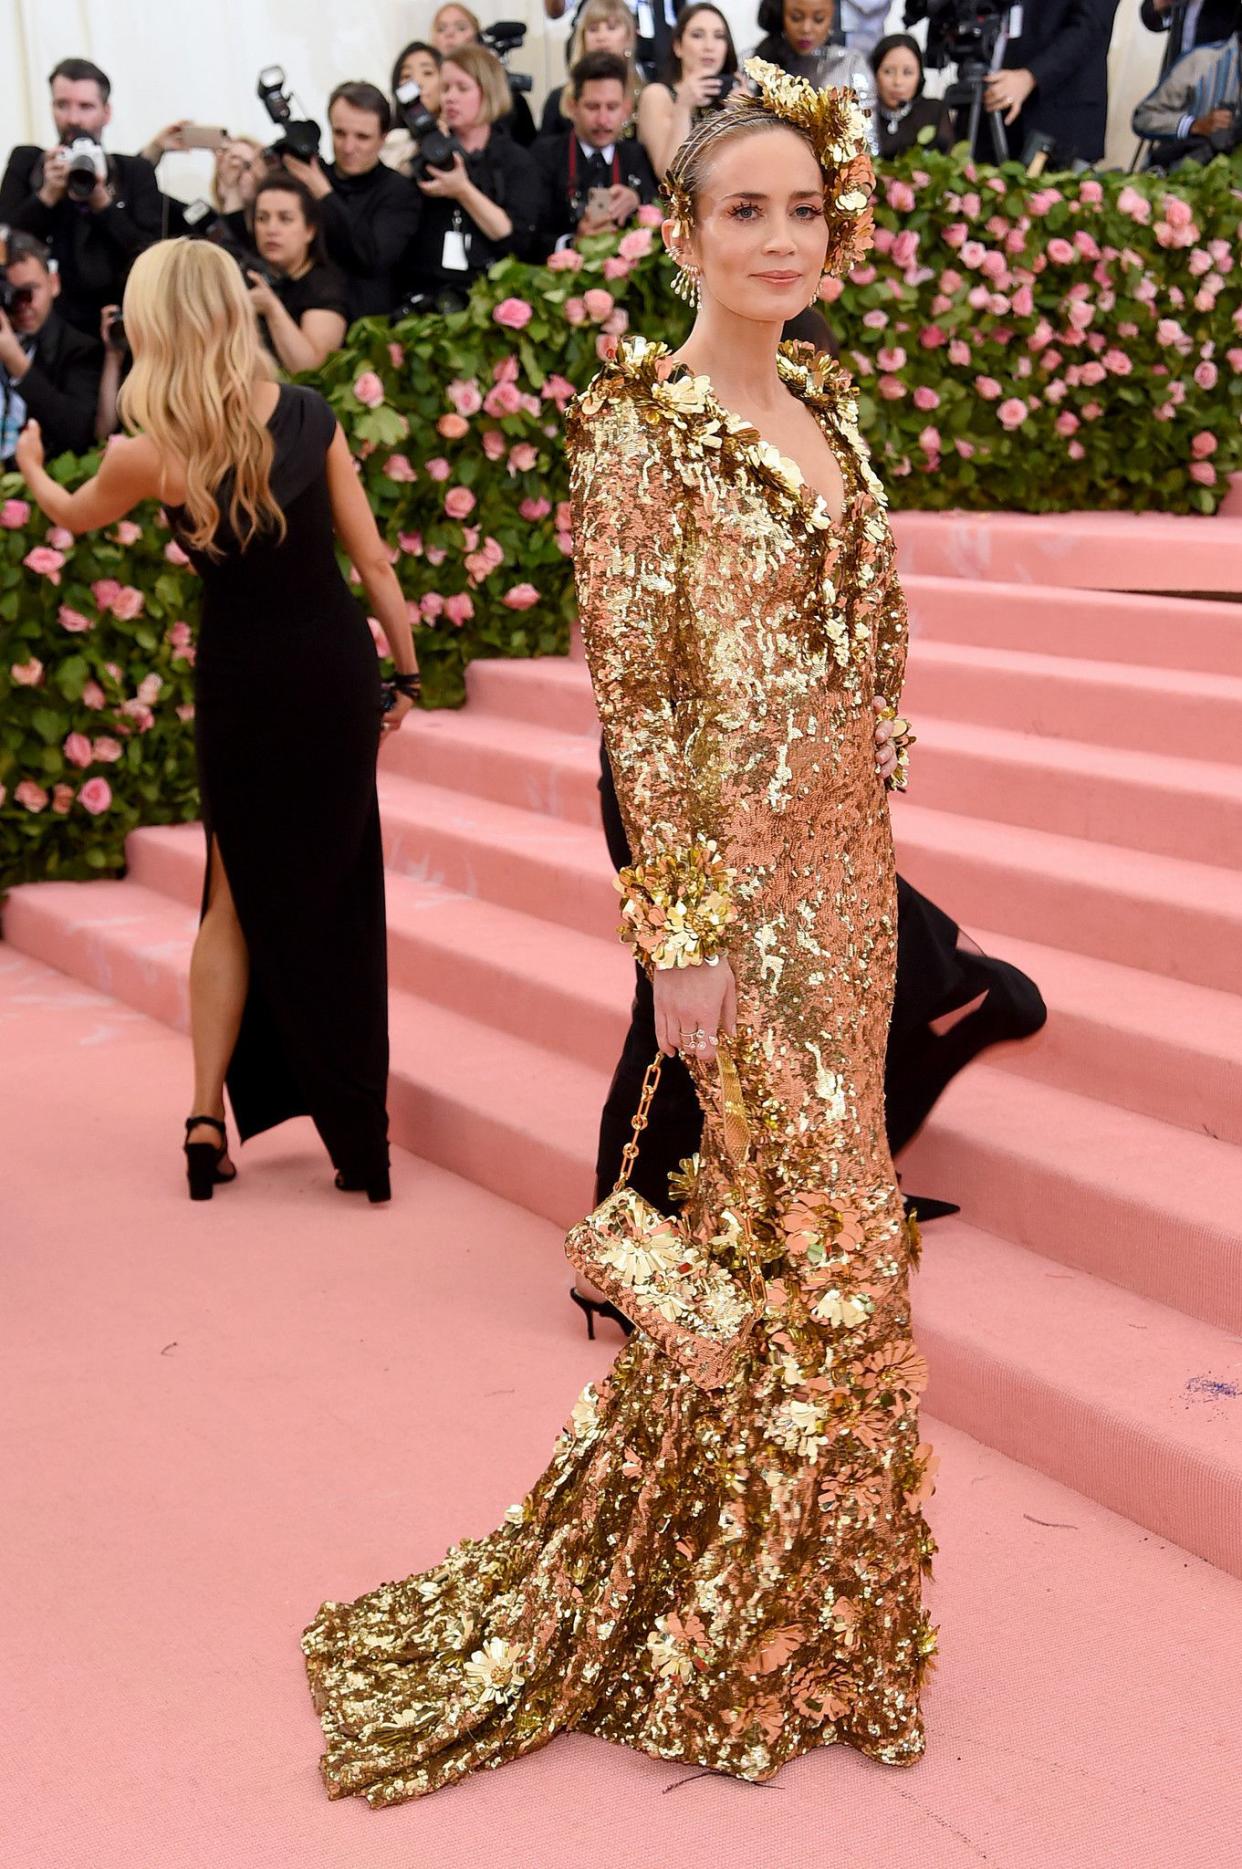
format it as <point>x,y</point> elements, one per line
<point>936,974</point>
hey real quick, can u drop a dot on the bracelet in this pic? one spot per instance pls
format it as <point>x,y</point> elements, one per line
<point>410,685</point>
<point>901,743</point>
<point>678,906</point>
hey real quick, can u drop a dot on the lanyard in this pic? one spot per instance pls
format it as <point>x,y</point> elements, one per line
<point>573,164</point>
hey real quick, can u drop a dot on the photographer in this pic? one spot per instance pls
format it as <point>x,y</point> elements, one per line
<point>1054,78</point>
<point>1193,113</point>
<point>700,73</point>
<point>418,64</point>
<point>1209,23</point>
<point>485,200</point>
<point>369,213</point>
<point>456,26</point>
<point>49,373</point>
<point>94,213</point>
<point>593,181</point>
<point>303,315</point>
<point>655,22</point>
<point>601,26</point>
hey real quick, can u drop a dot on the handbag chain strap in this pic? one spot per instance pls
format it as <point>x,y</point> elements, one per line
<point>735,1132</point>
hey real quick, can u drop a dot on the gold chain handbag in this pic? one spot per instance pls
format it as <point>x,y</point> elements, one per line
<point>660,1276</point>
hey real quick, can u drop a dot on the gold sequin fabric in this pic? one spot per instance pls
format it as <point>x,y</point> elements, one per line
<point>731,1579</point>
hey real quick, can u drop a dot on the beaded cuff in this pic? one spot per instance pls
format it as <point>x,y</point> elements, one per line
<point>677,907</point>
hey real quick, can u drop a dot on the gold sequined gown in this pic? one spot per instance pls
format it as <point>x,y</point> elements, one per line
<point>725,1580</point>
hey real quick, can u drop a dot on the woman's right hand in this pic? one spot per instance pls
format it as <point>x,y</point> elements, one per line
<point>394,716</point>
<point>694,999</point>
<point>699,88</point>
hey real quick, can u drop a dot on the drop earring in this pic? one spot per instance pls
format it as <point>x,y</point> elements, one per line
<point>686,284</point>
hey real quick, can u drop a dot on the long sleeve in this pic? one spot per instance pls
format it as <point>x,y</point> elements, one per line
<point>20,206</point>
<point>138,223</point>
<point>1080,43</point>
<point>632,516</point>
<point>64,401</point>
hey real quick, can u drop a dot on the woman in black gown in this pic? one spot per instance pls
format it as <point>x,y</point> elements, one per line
<point>288,981</point>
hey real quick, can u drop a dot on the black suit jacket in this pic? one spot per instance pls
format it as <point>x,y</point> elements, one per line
<point>1217,20</point>
<point>565,199</point>
<point>93,252</point>
<point>1065,44</point>
<point>61,387</point>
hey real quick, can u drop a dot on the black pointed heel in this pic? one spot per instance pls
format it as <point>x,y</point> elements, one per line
<point>376,1191</point>
<point>203,1159</point>
<point>594,1308</point>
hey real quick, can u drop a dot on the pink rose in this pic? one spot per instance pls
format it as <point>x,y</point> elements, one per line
<point>465,396</point>
<point>616,268</point>
<point>438,468</point>
<point>1060,252</point>
<point>1066,423</point>
<point>926,398</point>
<point>830,288</point>
<point>128,603</point>
<point>565,543</point>
<point>459,608</point>
<point>520,597</point>
<point>891,358</point>
<point>77,749</point>
<point>513,314</point>
<point>31,795</point>
<point>1203,444</point>
<point>505,371</point>
<point>1137,206</point>
<point>959,353</point>
<point>635,245</point>
<point>494,444</point>
<point>127,533</point>
<point>539,509</point>
<point>95,796</point>
<point>994,266</point>
<point>64,541</point>
<point>106,751</point>
<point>185,711</point>
<point>179,635</point>
<point>965,448</point>
<point>931,337</point>
<point>44,560</point>
<point>14,514</point>
<point>1012,413</point>
<point>1092,411</point>
<point>891,388</point>
<point>650,214</point>
<point>1117,362</point>
<point>1203,472</point>
<point>436,555</point>
<point>863,276</point>
<point>566,260</point>
<point>522,458</point>
<point>617,322</point>
<point>1177,213</point>
<point>62,799</point>
<point>149,690</point>
<point>73,620</point>
<point>431,606</point>
<point>1091,193</point>
<point>900,197</point>
<point>875,320</point>
<point>929,440</point>
<point>558,390</point>
<point>396,355</point>
<point>174,554</point>
<point>93,696</point>
<point>575,311</point>
<point>905,248</point>
<point>972,254</point>
<point>459,502</point>
<point>139,713</point>
<point>504,399</point>
<point>954,235</point>
<point>411,543</point>
<point>1092,373</point>
<point>597,304</point>
<point>105,591</point>
<point>369,390</point>
<point>1234,359</point>
<point>987,387</point>
<point>398,467</point>
<point>1206,375</point>
<point>477,567</point>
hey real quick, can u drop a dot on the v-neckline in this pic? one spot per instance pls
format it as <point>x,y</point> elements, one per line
<point>809,498</point>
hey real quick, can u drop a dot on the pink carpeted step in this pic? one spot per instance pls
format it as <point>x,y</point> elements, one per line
<point>1152,1208</point>
<point>547,691</point>
<point>1160,1047</point>
<point>511,761</point>
<point>1170,552</point>
<point>1042,1363</point>
<point>1164,711</point>
<point>120,938</point>
<point>1101,625</point>
<point>1189,808</point>
<point>1156,913</point>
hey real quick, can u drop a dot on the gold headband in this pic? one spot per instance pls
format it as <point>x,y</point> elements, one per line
<point>836,129</point>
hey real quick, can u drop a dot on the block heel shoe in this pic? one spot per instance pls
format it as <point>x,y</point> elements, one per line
<point>203,1159</point>
<point>377,1190</point>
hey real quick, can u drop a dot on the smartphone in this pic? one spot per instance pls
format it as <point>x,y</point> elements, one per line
<point>201,136</point>
<point>599,201</point>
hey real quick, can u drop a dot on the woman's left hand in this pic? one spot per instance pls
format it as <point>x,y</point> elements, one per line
<point>447,183</point>
<point>29,450</point>
<point>395,715</point>
<point>885,751</point>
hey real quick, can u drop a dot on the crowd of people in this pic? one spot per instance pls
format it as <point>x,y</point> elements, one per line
<point>444,172</point>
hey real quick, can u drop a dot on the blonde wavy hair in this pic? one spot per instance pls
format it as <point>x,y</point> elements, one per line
<point>601,13</point>
<point>197,357</point>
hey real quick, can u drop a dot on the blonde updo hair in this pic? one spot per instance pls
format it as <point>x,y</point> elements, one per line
<point>197,357</point>
<point>484,69</point>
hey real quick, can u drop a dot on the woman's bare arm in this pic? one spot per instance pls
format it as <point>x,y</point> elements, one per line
<point>128,474</point>
<point>355,527</point>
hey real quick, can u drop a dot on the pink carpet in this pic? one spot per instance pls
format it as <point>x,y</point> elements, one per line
<point>218,1415</point>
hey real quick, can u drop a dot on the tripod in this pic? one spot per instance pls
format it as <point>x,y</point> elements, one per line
<point>966,93</point>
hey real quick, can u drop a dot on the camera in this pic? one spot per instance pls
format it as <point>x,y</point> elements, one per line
<point>114,334</point>
<point>203,223</point>
<point>301,136</point>
<point>959,32</point>
<point>86,165</point>
<point>435,149</point>
<point>14,299</point>
<point>502,39</point>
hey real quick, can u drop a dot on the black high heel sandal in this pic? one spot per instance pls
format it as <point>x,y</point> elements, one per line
<point>376,1191</point>
<point>593,1308</point>
<point>203,1159</point>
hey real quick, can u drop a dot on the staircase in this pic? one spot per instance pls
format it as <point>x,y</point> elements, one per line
<point>1077,806</point>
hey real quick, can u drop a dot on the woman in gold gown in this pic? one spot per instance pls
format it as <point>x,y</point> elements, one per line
<point>723,1579</point>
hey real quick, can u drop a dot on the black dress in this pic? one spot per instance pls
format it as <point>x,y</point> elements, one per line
<point>287,714</point>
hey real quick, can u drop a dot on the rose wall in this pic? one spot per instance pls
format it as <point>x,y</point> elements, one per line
<point>1066,346</point>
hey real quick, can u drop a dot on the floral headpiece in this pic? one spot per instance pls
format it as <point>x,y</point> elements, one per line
<point>836,129</point>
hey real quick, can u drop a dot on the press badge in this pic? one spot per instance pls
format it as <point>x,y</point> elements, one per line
<point>453,258</point>
<point>1015,22</point>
